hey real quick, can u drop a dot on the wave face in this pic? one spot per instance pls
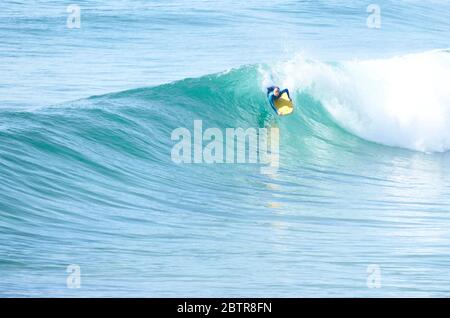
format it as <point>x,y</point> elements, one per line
<point>92,183</point>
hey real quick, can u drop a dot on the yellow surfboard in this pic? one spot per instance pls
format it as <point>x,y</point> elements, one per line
<point>284,105</point>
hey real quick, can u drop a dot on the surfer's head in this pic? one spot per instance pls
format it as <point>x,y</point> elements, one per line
<point>276,91</point>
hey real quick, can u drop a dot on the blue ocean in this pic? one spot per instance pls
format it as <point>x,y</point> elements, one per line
<point>92,203</point>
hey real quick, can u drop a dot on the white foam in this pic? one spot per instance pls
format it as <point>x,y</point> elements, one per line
<point>401,101</point>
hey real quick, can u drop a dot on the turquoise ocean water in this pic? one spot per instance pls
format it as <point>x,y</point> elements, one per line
<point>86,176</point>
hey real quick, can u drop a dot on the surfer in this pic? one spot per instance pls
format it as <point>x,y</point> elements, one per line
<point>273,93</point>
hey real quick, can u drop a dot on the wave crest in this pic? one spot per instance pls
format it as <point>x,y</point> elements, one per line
<point>402,101</point>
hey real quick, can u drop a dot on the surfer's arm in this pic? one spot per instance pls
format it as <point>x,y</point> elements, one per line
<point>285,91</point>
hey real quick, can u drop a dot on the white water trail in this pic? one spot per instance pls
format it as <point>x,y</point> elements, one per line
<point>402,101</point>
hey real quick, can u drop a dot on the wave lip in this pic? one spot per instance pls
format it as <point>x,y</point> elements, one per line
<point>402,101</point>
